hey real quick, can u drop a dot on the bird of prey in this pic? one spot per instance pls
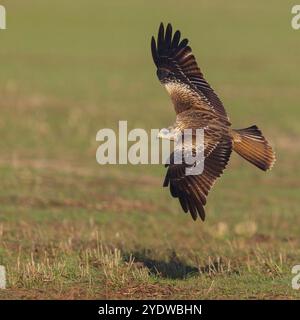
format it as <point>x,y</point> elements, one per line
<point>198,106</point>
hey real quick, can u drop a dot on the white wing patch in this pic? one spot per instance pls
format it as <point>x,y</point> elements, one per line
<point>173,87</point>
<point>183,97</point>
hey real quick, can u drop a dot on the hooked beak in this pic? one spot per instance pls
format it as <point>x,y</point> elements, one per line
<point>166,134</point>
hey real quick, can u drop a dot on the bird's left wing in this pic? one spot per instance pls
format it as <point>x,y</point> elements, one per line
<point>192,190</point>
<point>189,89</point>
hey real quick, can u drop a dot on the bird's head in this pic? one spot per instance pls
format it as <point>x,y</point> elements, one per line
<point>165,75</point>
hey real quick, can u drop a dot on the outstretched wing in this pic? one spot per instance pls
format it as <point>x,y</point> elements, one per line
<point>190,88</point>
<point>192,190</point>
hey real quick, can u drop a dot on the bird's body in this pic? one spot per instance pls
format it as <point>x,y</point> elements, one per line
<point>198,107</point>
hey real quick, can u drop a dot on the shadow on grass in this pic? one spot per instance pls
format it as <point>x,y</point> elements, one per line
<point>172,268</point>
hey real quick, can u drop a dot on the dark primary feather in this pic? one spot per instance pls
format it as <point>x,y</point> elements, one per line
<point>176,55</point>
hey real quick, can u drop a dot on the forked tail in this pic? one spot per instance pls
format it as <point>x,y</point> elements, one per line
<point>252,146</point>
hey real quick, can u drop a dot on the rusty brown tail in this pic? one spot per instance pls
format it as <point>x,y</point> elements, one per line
<point>252,146</point>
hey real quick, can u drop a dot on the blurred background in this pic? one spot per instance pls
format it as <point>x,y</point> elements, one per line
<point>70,228</point>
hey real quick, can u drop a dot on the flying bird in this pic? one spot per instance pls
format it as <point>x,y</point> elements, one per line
<point>198,106</point>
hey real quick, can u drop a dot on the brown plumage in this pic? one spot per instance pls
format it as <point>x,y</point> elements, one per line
<point>197,106</point>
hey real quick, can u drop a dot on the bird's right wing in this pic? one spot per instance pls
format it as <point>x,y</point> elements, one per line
<point>190,89</point>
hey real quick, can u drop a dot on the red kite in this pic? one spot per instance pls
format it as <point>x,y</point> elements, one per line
<point>198,106</point>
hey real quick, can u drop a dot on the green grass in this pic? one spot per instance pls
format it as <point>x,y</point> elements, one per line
<point>70,228</point>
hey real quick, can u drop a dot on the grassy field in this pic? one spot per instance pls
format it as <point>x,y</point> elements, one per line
<point>72,229</point>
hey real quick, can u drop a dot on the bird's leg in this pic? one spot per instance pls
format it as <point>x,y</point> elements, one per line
<point>169,133</point>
